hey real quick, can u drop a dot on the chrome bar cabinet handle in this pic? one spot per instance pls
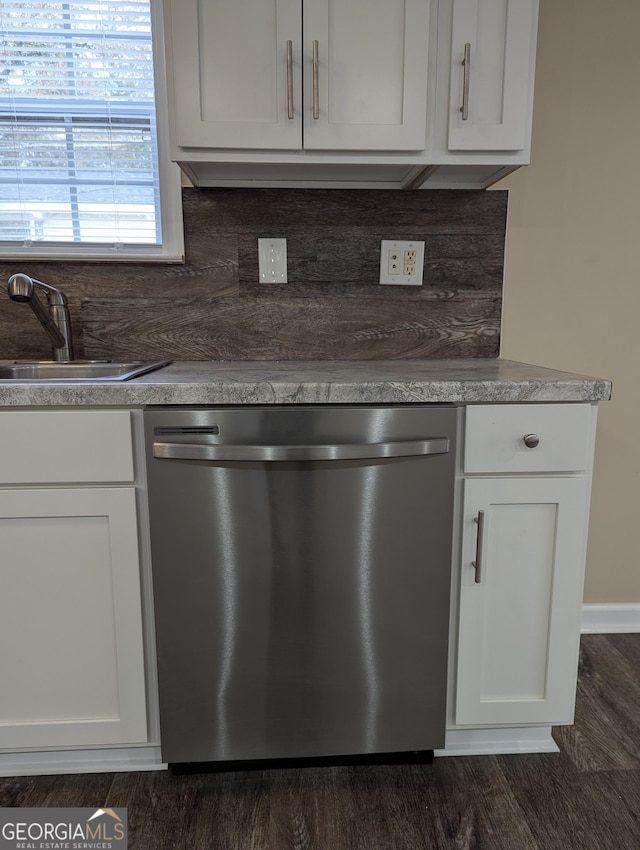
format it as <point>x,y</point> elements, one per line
<point>289,79</point>
<point>466,64</point>
<point>479,544</point>
<point>316,96</point>
<point>346,451</point>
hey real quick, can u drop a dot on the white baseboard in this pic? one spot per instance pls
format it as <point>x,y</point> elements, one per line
<point>482,742</point>
<point>81,761</point>
<point>610,618</point>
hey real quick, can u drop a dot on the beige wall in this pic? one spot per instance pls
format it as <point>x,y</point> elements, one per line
<point>572,288</point>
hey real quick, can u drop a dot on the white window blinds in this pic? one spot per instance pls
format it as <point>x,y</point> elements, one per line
<point>78,152</point>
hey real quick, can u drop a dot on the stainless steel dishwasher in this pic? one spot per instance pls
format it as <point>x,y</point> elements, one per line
<point>301,568</point>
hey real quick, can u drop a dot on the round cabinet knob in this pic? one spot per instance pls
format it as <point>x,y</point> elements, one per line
<point>531,440</point>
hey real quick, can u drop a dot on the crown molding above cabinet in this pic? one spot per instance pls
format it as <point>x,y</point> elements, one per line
<point>401,94</point>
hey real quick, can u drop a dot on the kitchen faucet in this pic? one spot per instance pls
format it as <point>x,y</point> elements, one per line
<point>56,320</point>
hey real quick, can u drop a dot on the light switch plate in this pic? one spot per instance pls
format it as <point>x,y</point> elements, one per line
<point>272,260</point>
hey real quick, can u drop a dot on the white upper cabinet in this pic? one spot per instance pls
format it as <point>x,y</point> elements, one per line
<point>365,88</point>
<point>493,46</point>
<point>349,93</point>
<point>235,70</point>
<point>293,74</point>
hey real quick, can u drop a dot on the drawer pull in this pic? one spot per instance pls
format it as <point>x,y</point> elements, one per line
<point>531,440</point>
<point>477,564</point>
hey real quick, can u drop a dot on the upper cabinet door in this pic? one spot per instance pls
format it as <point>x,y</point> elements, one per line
<point>492,69</point>
<point>367,88</point>
<point>235,79</point>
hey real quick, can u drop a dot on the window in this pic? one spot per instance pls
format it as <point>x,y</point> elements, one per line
<point>83,171</point>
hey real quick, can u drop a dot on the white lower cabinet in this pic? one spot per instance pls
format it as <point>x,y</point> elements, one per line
<point>520,610</point>
<point>72,663</point>
<point>71,647</point>
<point>521,566</point>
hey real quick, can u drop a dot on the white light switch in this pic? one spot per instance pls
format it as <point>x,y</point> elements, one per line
<point>272,260</point>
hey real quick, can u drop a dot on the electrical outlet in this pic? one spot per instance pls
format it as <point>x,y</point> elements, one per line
<point>409,263</point>
<point>401,262</point>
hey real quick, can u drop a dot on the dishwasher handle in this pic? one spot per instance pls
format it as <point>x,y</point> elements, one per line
<point>343,451</point>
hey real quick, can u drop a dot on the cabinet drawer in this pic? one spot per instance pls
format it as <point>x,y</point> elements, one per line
<point>494,438</point>
<point>64,447</point>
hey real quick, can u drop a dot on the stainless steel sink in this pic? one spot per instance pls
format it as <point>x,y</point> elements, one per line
<point>77,370</point>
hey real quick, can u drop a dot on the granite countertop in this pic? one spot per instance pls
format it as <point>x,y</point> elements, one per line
<point>317,382</point>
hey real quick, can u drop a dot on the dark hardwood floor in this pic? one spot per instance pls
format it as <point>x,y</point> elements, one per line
<point>587,797</point>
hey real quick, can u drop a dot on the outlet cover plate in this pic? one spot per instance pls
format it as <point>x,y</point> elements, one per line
<point>392,262</point>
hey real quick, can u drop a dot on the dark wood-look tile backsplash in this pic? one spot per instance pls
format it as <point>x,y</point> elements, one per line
<point>213,308</point>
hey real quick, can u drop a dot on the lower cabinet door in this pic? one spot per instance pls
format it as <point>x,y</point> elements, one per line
<point>520,606</point>
<point>71,657</point>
